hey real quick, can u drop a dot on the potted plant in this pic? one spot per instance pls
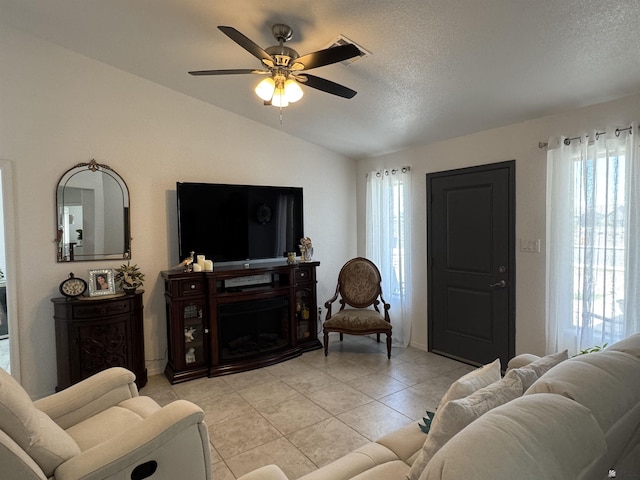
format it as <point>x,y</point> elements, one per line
<point>129,277</point>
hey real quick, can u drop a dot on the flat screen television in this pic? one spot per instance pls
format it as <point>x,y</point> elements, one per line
<point>230,223</point>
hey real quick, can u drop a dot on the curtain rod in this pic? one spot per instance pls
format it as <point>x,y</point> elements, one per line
<point>567,141</point>
<point>391,171</point>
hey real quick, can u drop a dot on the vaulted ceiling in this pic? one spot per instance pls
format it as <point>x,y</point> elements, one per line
<point>438,68</point>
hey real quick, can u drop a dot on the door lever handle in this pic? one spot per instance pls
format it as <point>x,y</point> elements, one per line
<point>500,284</point>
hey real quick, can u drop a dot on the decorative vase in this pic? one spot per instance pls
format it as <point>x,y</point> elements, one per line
<point>129,290</point>
<point>306,254</point>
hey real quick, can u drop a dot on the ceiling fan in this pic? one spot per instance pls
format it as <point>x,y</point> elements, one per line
<point>285,68</point>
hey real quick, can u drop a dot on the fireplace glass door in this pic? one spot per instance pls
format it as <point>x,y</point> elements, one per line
<point>253,328</point>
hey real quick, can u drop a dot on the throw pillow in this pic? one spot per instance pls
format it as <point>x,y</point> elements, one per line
<point>544,364</point>
<point>531,372</point>
<point>526,375</point>
<point>457,414</point>
<point>472,381</point>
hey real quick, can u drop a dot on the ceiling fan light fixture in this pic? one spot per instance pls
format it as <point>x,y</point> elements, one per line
<point>265,89</point>
<point>279,98</point>
<point>283,65</point>
<point>292,90</point>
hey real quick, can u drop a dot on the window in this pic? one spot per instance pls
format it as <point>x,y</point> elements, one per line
<point>592,255</point>
<point>388,238</point>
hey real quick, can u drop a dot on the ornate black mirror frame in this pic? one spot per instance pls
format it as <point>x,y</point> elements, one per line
<point>94,198</point>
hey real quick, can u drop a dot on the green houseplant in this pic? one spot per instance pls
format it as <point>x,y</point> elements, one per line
<point>594,349</point>
<point>129,277</point>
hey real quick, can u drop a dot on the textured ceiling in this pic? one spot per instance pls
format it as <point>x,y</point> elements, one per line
<point>438,69</point>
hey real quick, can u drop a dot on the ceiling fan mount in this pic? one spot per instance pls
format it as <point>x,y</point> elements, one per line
<point>281,32</point>
<point>286,67</point>
<point>282,54</point>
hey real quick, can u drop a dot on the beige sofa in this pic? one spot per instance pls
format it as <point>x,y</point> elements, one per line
<point>558,419</point>
<point>102,429</point>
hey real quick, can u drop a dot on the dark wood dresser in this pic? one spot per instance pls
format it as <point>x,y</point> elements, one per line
<point>93,334</point>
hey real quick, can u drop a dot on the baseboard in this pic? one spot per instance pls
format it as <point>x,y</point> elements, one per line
<point>419,346</point>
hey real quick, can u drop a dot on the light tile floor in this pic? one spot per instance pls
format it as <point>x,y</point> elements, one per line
<point>306,412</point>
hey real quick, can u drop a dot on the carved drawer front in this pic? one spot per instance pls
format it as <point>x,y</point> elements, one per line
<point>102,309</point>
<point>191,287</point>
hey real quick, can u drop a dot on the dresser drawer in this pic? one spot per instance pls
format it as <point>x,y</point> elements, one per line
<point>191,287</point>
<point>303,274</point>
<point>101,309</point>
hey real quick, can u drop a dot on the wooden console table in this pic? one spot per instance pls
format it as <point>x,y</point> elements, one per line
<point>93,334</point>
<point>236,319</point>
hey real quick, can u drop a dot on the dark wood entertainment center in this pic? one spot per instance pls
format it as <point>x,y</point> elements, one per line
<point>238,318</point>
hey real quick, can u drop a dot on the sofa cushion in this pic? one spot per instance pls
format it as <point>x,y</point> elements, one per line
<point>472,381</point>
<point>354,463</point>
<point>39,436</point>
<point>630,345</point>
<point>53,446</point>
<point>357,319</point>
<point>530,438</point>
<point>15,460</point>
<point>18,416</point>
<point>386,471</point>
<point>607,384</point>
<point>457,414</point>
<point>104,425</point>
<point>404,442</point>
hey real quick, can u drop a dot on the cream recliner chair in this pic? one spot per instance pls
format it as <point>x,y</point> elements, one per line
<point>100,428</point>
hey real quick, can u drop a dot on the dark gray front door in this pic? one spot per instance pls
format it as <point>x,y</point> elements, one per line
<point>471,263</point>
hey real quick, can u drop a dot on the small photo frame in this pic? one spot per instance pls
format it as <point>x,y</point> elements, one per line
<point>101,282</point>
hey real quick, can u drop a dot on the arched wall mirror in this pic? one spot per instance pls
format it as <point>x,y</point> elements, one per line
<point>92,214</point>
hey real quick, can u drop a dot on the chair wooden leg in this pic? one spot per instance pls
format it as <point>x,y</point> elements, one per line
<point>341,337</point>
<point>326,344</point>
<point>378,337</point>
<point>389,345</point>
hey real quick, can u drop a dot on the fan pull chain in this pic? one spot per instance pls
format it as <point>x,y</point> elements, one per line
<point>280,116</point>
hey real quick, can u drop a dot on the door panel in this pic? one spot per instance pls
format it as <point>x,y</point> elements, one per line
<point>470,242</point>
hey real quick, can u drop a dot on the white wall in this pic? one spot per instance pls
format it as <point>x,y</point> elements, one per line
<point>58,108</point>
<point>519,142</point>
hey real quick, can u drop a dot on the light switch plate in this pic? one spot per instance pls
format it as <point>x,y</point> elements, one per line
<point>530,245</point>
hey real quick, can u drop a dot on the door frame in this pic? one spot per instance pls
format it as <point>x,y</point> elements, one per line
<point>6,167</point>
<point>510,165</point>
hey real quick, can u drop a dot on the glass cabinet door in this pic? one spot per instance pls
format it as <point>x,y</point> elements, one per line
<point>303,312</point>
<point>194,335</point>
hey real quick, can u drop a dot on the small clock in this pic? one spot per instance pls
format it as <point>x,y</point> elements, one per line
<point>73,287</point>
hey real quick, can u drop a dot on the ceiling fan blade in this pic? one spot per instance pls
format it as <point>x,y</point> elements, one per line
<point>246,43</point>
<point>326,85</point>
<point>236,71</point>
<point>326,57</point>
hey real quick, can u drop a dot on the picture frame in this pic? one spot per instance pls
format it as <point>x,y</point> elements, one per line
<point>101,282</point>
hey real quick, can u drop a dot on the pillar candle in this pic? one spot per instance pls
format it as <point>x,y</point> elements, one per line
<point>200,259</point>
<point>208,265</point>
<point>197,267</point>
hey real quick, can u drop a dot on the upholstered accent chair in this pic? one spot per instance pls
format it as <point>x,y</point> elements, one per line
<point>100,428</point>
<point>359,293</point>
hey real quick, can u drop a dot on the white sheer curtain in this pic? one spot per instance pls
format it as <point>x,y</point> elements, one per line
<point>593,239</point>
<point>388,239</point>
